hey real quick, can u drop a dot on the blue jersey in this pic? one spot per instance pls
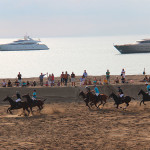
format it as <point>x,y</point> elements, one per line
<point>34,94</point>
<point>148,88</point>
<point>96,90</point>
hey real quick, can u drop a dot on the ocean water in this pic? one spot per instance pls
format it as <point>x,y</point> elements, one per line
<point>95,54</point>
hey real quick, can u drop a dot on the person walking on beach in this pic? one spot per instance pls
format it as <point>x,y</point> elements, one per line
<point>19,78</point>
<point>73,79</point>
<point>41,78</point>
<point>108,76</point>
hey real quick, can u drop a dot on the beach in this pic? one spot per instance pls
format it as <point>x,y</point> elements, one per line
<point>67,123</point>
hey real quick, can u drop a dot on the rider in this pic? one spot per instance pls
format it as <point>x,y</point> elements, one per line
<point>18,97</point>
<point>148,88</point>
<point>96,90</point>
<point>120,92</point>
<point>34,95</point>
<point>88,89</point>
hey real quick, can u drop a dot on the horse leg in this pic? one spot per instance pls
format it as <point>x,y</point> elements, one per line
<point>127,104</point>
<point>104,102</point>
<point>117,106</point>
<point>144,103</point>
<point>141,102</point>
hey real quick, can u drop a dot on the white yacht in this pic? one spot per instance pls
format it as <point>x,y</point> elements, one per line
<point>23,44</point>
<point>142,46</point>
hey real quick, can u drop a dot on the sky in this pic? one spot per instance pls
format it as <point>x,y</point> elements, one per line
<point>60,18</point>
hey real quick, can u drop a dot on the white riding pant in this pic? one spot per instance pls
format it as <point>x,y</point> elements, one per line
<point>33,98</point>
<point>121,95</point>
<point>96,94</point>
<point>18,100</point>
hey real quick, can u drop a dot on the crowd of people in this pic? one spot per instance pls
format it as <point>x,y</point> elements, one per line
<point>71,79</point>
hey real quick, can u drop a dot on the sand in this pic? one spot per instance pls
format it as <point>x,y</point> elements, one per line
<point>66,123</point>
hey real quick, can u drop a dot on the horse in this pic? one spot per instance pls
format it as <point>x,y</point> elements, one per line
<point>93,99</point>
<point>16,105</point>
<point>34,103</point>
<point>146,97</point>
<point>118,100</point>
<point>84,96</point>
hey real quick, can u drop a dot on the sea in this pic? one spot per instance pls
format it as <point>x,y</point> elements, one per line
<point>74,54</point>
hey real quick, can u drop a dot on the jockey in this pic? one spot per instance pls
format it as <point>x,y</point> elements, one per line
<point>96,90</point>
<point>148,88</point>
<point>121,95</point>
<point>34,95</point>
<point>18,97</point>
<point>88,89</point>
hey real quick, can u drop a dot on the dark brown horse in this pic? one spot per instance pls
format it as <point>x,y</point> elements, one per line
<point>33,103</point>
<point>118,100</point>
<point>16,105</point>
<point>93,99</point>
<point>146,97</point>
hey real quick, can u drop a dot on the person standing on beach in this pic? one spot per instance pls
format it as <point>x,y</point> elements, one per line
<point>66,78</point>
<point>108,76</point>
<point>62,78</point>
<point>123,75</point>
<point>19,78</point>
<point>73,79</point>
<point>52,80</point>
<point>85,74</point>
<point>41,78</point>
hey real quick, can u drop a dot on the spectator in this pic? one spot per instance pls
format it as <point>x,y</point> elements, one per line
<point>108,76</point>
<point>49,79</point>
<point>105,81</point>
<point>24,84</point>
<point>16,83</point>
<point>62,78</point>
<point>95,81</point>
<point>89,82</point>
<point>52,84</point>
<point>28,83</point>
<point>19,78</point>
<point>3,83</point>
<point>82,80</point>
<point>58,83</point>
<point>144,72</point>
<point>99,82</point>
<point>41,78</point>
<point>85,74</point>
<point>34,83</point>
<point>46,84</point>
<point>116,80</point>
<point>73,79</point>
<point>66,78</point>
<point>9,84</point>
<point>123,75</point>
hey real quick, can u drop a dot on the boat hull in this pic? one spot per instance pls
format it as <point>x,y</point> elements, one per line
<point>11,47</point>
<point>128,49</point>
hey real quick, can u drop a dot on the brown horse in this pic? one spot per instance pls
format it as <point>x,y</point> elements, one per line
<point>34,103</point>
<point>93,99</point>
